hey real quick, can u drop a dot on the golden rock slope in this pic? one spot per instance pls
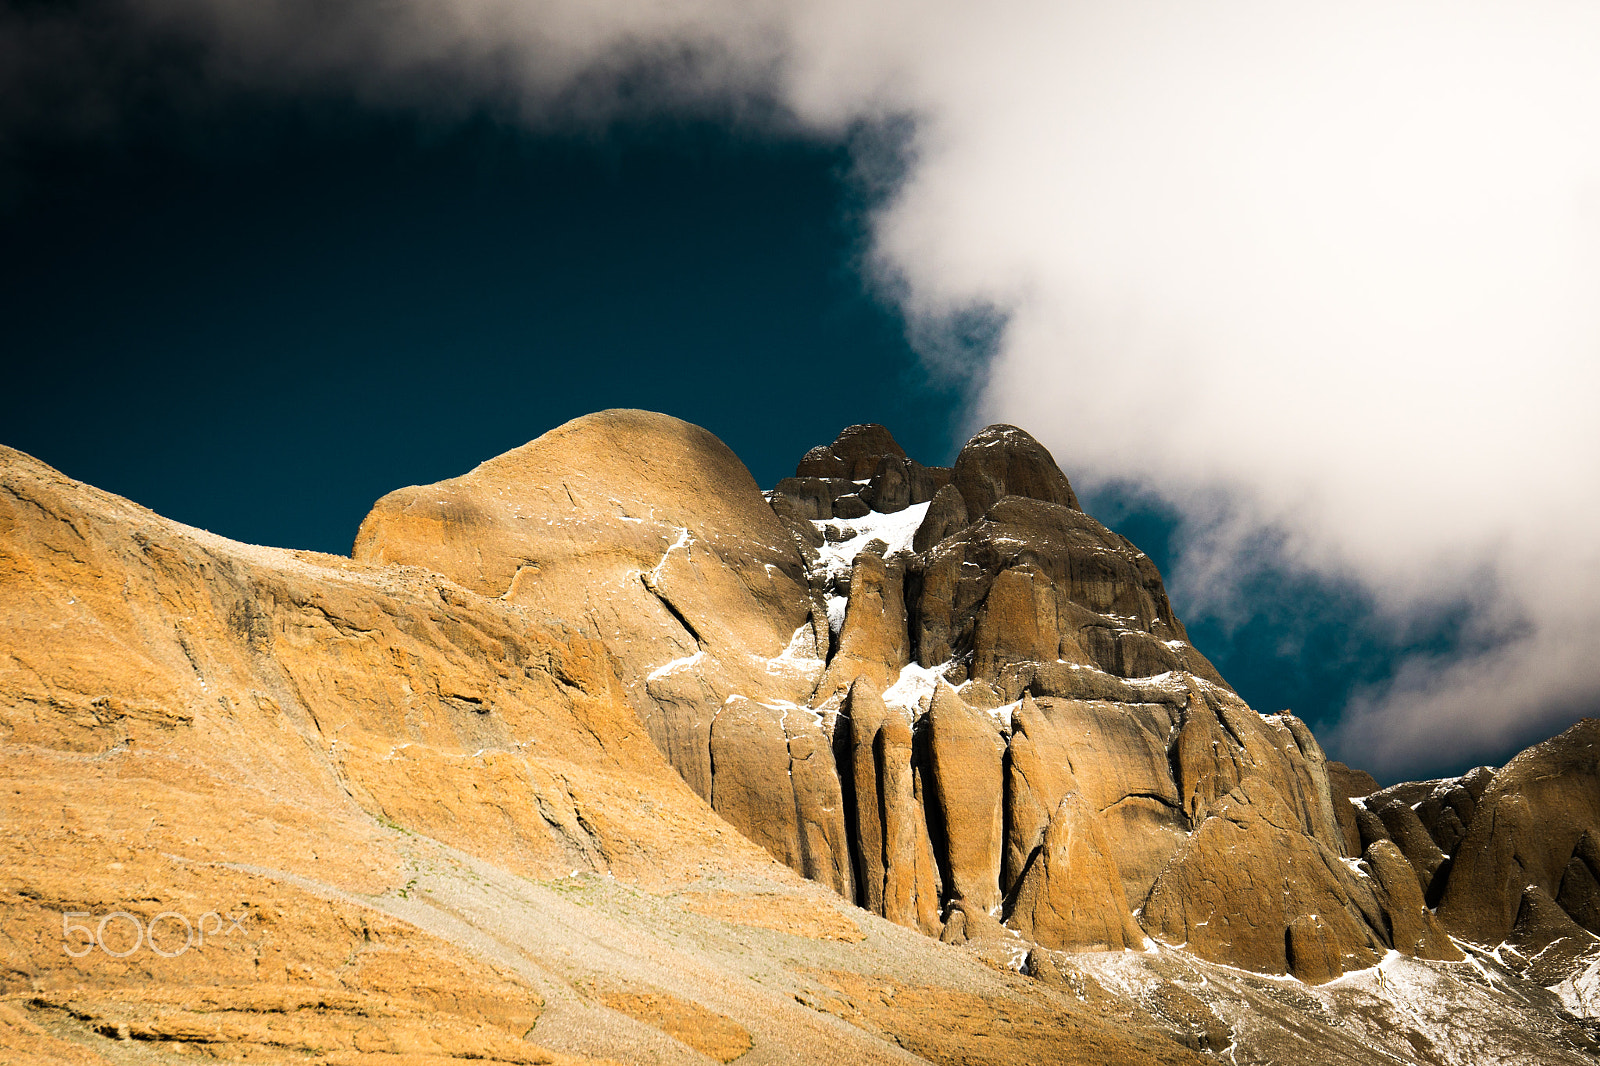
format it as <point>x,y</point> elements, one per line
<point>441,828</point>
<point>364,812</point>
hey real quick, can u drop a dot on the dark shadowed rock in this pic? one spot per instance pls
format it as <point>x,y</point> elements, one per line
<point>1108,595</point>
<point>1528,828</point>
<point>889,490</point>
<point>1006,461</point>
<point>820,462</point>
<point>1346,784</point>
<point>1477,781</point>
<point>1413,929</point>
<point>810,498</point>
<point>1548,938</point>
<point>1350,782</point>
<point>862,447</point>
<point>926,481</point>
<point>947,514</point>
<point>1445,814</point>
<point>1579,894</point>
<point>1369,826</point>
<point>851,506</point>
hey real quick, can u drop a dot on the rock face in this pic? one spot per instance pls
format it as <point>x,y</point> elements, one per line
<point>1005,461</point>
<point>189,725</point>
<point>1070,894</point>
<point>1079,759</point>
<point>1248,874</point>
<point>647,536</point>
<point>863,470</point>
<point>1346,784</point>
<point>1534,826</point>
<point>1413,929</point>
<point>470,780</point>
<point>967,752</point>
<point>955,698</point>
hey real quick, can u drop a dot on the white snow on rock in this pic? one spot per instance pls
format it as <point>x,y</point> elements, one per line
<point>914,689</point>
<point>836,606</point>
<point>896,530</point>
<point>1580,993</point>
<point>685,663</point>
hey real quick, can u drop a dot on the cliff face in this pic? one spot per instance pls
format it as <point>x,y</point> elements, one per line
<point>458,796</point>
<point>941,692</point>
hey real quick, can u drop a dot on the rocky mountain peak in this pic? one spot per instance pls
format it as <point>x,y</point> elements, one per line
<point>604,682</point>
<point>1003,461</point>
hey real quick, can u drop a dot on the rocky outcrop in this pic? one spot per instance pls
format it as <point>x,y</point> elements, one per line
<point>947,514</point>
<point>967,752</point>
<point>1070,895</point>
<point>1005,461</point>
<point>863,470</point>
<point>1069,724</point>
<point>1532,822</point>
<point>607,654</point>
<point>253,755</point>
<point>1007,724</point>
<point>642,533</point>
<point>132,641</point>
<point>775,782</point>
<point>1116,757</point>
<point>1243,879</point>
<point>1413,928</point>
<point>1093,601</point>
<point>873,640</point>
<point>1346,785</point>
<point>1053,751</point>
<point>1402,826</point>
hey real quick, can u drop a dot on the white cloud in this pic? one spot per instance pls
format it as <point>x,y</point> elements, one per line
<point>1337,264</point>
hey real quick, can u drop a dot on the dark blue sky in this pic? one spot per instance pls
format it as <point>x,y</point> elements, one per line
<point>262,327</point>
<point>259,322</point>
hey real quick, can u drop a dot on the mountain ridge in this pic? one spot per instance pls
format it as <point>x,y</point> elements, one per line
<point>579,686</point>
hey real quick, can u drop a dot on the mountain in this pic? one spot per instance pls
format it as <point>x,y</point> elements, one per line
<point>599,753</point>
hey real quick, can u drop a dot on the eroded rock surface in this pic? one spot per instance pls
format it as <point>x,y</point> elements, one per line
<point>1533,821</point>
<point>946,694</point>
<point>1078,758</point>
<point>642,533</point>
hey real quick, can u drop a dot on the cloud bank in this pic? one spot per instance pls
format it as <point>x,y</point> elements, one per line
<point>1326,270</point>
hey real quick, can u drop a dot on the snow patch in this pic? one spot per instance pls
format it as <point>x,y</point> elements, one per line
<point>675,665</point>
<point>1580,993</point>
<point>799,659</point>
<point>836,557</point>
<point>836,606</point>
<point>684,536</point>
<point>1003,714</point>
<point>915,687</point>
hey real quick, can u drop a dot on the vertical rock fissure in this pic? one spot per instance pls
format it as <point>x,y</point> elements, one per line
<point>672,609</point>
